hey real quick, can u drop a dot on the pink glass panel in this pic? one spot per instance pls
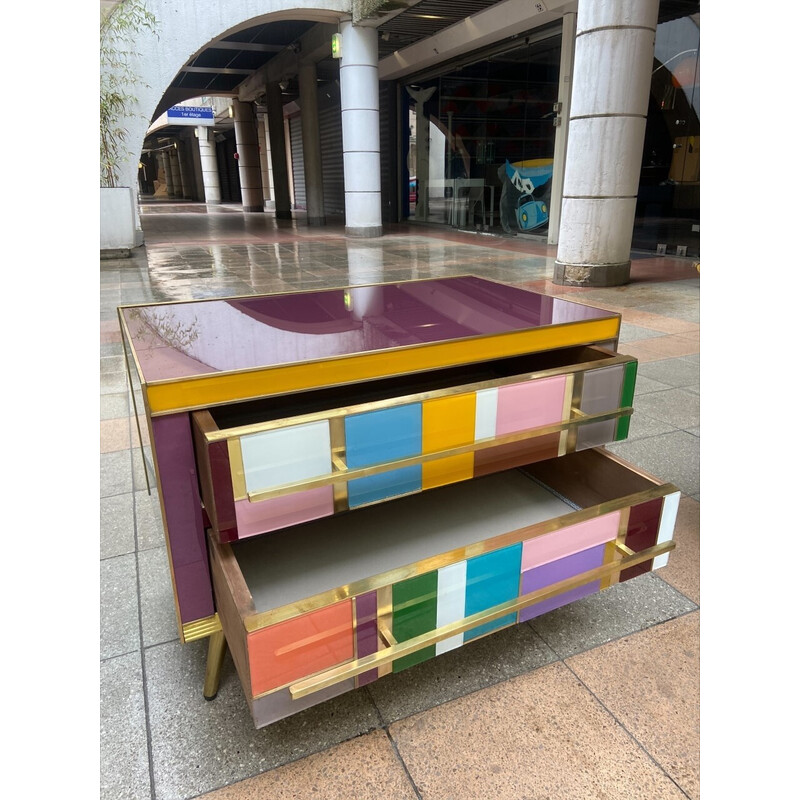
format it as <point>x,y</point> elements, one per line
<point>566,541</point>
<point>281,512</point>
<point>529,405</point>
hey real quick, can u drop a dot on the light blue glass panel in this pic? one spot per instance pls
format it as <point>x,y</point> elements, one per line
<point>492,579</point>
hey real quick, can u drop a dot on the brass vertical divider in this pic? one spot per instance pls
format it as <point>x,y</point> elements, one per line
<point>618,547</point>
<point>575,411</point>
<point>566,413</point>
<point>336,432</point>
<point>384,623</point>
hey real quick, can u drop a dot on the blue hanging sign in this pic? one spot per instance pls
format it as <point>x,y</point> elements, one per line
<point>190,115</point>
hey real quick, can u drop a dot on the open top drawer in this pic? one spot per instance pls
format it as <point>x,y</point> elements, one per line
<point>333,604</point>
<point>270,464</point>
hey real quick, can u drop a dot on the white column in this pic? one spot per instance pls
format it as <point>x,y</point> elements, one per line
<point>183,170</point>
<point>244,126</point>
<point>358,75</point>
<point>208,165</point>
<point>263,152</point>
<point>312,154</point>
<point>614,47</point>
<point>177,186</point>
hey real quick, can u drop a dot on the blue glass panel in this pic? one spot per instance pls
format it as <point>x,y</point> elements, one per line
<point>385,435</point>
<point>492,579</point>
<point>384,485</point>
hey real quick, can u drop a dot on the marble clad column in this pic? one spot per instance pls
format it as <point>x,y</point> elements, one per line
<point>244,127</point>
<point>166,168</point>
<point>177,186</point>
<point>312,155</point>
<point>614,45</point>
<point>208,165</point>
<point>277,147</point>
<point>358,75</point>
<point>184,171</point>
<point>264,158</point>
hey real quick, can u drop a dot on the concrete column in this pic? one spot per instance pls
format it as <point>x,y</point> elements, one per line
<point>244,128</point>
<point>263,152</point>
<point>166,168</point>
<point>177,186</point>
<point>208,165</point>
<point>358,75</point>
<point>614,47</point>
<point>312,154</point>
<point>184,170</point>
<point>277,146</point>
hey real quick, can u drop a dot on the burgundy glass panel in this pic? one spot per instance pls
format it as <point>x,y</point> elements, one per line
<point>642,533</point>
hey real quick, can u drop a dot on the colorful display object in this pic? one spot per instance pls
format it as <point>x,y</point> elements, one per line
<point>529,182</point>
<point>356,480</point>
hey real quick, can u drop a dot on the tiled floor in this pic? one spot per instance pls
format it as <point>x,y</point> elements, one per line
<point>599,699</point>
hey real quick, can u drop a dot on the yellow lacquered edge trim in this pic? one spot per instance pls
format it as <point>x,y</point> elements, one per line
<point>203,391</point>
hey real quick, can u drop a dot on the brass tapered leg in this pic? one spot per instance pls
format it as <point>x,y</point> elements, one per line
<point>217,646</point>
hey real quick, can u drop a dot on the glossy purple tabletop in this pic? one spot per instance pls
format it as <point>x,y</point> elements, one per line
<point>177,340</point>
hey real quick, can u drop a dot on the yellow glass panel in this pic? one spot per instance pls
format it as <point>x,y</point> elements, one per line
<point>447,422</point>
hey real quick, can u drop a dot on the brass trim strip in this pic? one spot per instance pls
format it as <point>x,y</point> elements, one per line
<point>420,397</point>
<point>387,579</point>
<point>623,548</point>
<point>201,628</point>
<point>133,401</point>
<point>329,677</point>
<point>386,635</point>
<point>236,461</point>
<point>345,473</point>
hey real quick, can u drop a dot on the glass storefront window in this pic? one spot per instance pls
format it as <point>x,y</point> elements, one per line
<point>668,205</point>
<point>481,141</point>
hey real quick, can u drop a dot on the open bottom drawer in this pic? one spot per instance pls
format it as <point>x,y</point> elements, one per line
<point>333,604</point>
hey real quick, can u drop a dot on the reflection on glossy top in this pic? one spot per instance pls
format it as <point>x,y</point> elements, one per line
<point>176,340</point>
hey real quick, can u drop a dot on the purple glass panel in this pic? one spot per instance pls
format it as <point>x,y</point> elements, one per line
<point>175,340</point>
<point>367,633</point>
<point>180,496</point>
<point>555,571</point>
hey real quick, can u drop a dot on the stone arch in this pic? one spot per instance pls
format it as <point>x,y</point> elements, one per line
<point>184,27</point>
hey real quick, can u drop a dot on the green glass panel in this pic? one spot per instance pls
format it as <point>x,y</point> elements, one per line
<point>414,613</point>
<point>628,387</point>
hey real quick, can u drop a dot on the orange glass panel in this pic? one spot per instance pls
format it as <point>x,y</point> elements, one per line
<point>301,646</point>
<point>447,422</point>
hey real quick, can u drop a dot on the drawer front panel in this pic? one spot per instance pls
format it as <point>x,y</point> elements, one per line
<point>523,406</point>
<point>492,579</point>
<point>554,571</point>
<point>366,606</point>
<point>301,646</point>
<point>569,540</point>
<point>281,512</point>
<point>268,466</point>
<point>602,390</point>
<point>448,422</point>
<point>414,613</point>
<point>286,455</point>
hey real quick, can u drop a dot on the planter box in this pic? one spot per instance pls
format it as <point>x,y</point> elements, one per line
<point>117,221</point>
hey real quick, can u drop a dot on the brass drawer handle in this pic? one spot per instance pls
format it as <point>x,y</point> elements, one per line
<point>577,418</point>
<point>323,680</point>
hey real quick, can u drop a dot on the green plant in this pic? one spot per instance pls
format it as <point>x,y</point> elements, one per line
<point>117,78</point>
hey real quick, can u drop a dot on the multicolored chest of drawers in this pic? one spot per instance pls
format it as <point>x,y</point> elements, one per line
<point>355,480</point>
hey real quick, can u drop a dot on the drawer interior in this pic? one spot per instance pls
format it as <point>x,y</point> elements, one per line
<point>296,563</point>
<point>300,562</point>
<point>312,402</point>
